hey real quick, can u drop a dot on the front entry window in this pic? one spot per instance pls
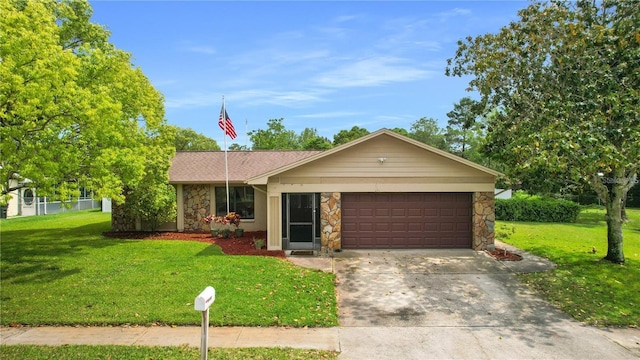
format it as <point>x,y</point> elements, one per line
<point>241,201</point>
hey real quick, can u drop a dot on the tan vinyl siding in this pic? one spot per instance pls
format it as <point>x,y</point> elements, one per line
<point>406,168</point>
<point>274,231</point>
<point>363,186</point>
<point>401,160</point>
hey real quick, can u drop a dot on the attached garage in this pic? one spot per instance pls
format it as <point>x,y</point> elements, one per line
<point>380,191</point>
<point>406,220</point>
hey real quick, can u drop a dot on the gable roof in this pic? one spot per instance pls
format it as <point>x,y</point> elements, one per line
<point>262,178</point>
<point>208,166</point>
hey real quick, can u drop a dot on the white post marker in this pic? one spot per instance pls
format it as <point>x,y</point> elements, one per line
<point>202,303</point>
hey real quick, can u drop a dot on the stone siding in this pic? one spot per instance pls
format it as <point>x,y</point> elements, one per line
<point>331,221</point>
<point>197,204</point>
<point>119,219</point>
<point>484,219</point>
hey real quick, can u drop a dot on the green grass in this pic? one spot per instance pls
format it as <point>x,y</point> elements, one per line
<point>585,286</point>
<point>59,270</point>
<point>73,352</point>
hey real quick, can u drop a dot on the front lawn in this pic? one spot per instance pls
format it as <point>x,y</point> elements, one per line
<point>590,289</point>
<point>59,270</point>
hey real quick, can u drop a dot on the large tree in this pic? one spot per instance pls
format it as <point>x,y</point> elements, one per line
<point>275,137</point>
<point>565,78</point>
<point>344,136</point>
<point>74,110</point>
<point>187,139</point>
<point>426,130</point>
<point>461,125</point>
<point>310,140</point>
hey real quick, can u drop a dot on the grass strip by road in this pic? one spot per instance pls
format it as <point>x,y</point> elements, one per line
<point>59,270</point>
<point>585,286</point>
<point>81,352</point>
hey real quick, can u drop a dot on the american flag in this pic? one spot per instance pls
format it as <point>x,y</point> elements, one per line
<point>225,124</point>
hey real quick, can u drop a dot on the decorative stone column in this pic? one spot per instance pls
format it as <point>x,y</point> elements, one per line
<point>197,200</point>
<point>484,219</point>
<point>119,219</point>
<point>330,221</point>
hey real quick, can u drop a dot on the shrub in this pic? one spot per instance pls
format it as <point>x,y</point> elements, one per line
<point>537,209</point>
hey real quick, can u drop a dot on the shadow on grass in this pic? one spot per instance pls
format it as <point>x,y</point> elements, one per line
<point>34,255</point>
<point>212,250</point>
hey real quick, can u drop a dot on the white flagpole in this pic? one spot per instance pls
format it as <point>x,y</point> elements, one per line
<point>226,160</point>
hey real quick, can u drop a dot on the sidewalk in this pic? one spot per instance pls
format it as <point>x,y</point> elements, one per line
<point>227,337</point>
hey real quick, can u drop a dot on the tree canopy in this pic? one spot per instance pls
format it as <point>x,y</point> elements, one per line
<point>461,126</point>
<point>426,130</point>
<point>564,78</point>
<point>189,139</point>
<point>74,110</point>
<point>277,137</point>
<point>344,136</point>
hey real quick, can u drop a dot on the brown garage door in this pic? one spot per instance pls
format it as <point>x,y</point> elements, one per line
<point>406,220</point>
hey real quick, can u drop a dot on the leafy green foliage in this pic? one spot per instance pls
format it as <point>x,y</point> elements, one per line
<point>93,280</point>
<point>277,137</point>
<point>154,204</point>
<point>344,136</point>
<point>538,210</point>
<point>238,147</point>
<point>464,130</point>
<point>40,352</point>
<point>426,130</point>
<point>565,80</point>
<point>190,140</point>
<point>591,290</point>
<point>310,140</point>
<point>74,111</point>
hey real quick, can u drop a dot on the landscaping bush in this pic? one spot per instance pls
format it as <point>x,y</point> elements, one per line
<point>537,209</point>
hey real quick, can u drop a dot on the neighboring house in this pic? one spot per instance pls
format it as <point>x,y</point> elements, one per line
<point>505,194</point>
<point>381,191</point>
<point>25,202</point>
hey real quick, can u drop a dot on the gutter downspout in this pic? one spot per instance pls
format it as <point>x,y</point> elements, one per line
<point>260,190</point>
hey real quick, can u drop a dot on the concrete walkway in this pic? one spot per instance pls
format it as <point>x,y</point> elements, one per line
<point>561,338</point>
<point>227,337</point>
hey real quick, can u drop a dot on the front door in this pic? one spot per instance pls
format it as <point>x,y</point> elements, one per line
<point>301,224</point>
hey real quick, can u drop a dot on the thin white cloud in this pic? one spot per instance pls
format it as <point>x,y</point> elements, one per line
<point>253,97</point>
<point>345,18</point>
<point>164,82</point>
<point>331,115</point>
<point>202,49</point>
<point>454,12</point>
<point>296,98</point>
<point>371,72</point>
<point>429,45</point>
<point>191,100</point>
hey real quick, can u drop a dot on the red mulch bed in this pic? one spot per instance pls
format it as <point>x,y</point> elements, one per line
<point>231,246</point>
<point>504,255</point>
<point>244,245</point>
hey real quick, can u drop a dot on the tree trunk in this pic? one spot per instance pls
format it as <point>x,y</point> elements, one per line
<point>614,230</point>
<point>612,189</point>
<point>616,187</point>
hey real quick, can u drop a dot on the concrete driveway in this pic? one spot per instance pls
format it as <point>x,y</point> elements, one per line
<point>452,304</point>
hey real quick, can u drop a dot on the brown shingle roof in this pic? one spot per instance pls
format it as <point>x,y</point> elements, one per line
<point>208,166</point>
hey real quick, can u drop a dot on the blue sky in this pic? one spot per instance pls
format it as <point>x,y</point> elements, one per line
<point>328,65</point>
